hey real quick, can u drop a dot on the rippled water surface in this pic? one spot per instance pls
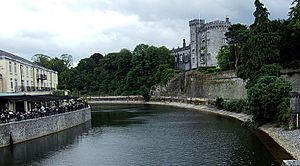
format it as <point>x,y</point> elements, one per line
<point>145,135</point>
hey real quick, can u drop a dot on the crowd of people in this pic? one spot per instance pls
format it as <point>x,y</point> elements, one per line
<point>40,111</point>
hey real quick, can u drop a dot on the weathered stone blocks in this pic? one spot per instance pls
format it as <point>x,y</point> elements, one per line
<point>34,128</point>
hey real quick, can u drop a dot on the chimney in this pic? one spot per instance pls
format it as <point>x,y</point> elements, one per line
<point>227,20</point>
<point>184,44</point>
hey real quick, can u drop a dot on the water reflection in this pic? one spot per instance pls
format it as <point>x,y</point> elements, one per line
<point>34,150</point>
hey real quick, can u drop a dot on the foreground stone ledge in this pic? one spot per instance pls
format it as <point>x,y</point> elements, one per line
<point>34,128</point>
<point>291,163</point>
<point>288,139</point>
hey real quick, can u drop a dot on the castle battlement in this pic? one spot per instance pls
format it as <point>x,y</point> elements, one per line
<point>194,22</point>
<point>217,25</point>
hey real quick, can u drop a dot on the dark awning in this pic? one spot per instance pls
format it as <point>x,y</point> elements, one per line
<point>36,98</point>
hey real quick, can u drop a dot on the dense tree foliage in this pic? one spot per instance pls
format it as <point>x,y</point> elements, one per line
<point>236,37</point>
<point>120,73</point>
<point>278,40</point>
<point>260,48</point>
<point>266,98</point>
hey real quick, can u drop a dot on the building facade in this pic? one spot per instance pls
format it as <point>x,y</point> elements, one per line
<point>205,41</point>
<point>20,75</point>
<point>182,57</point>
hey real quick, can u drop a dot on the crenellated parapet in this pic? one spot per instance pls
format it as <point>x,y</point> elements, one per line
<point>216,25</point>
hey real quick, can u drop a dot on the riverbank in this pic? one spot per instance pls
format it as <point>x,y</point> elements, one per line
<point>287,139</point>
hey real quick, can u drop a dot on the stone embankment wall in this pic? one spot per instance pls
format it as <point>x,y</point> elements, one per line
<point>198,85</point>
<point>115,99</point>
<point>34,128</point>
<point>293,76</point>
<point>211,86</point>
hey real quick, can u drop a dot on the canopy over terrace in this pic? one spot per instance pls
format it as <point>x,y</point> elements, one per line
<point>36,98</point>
<point>23,102</point>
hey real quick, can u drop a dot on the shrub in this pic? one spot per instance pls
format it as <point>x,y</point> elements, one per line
<point>267,99</point>
<point>219,102</point>
<point>208,69</point>
<point>283,115</point>
<point>236,106</point>
<point>145,92</point>
<point>58,92</point>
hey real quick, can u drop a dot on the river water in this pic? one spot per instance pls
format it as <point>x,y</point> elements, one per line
<point>148,135</point>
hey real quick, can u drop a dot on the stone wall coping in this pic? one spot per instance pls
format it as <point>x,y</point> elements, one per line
<point>44,117</point>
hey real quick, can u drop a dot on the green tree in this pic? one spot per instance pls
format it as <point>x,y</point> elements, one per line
<point>295,14</point>
<point>118,73</point>
<point>236,36</point>
<point>267,97</point>
<point>261,22</point>
<point>145,61</point>
<point>41,59</point>
<point>290,33</point>
<point>225,58</point>
<point>261,47</point>
<point>68,59</point>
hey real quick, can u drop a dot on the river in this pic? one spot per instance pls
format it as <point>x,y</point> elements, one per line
<point>148,135</point>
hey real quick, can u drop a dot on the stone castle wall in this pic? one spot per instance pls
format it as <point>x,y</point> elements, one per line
<point>34,128</point>
<point>199,85</point>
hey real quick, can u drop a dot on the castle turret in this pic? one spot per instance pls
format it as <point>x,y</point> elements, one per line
<point>194,28</point>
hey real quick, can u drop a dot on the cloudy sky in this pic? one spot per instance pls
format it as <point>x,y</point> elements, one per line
<point>83,27</point>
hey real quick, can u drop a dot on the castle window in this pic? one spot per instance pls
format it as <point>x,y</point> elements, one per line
<point>193,59</point>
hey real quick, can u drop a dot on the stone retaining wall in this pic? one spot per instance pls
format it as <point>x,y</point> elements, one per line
<point>199,85</point>
<point>34,128</point>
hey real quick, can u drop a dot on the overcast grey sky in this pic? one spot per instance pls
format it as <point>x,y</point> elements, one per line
<point>83,27</point>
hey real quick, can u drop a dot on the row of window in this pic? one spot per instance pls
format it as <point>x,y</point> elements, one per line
<point>25,70</point>
<point>14,86</point>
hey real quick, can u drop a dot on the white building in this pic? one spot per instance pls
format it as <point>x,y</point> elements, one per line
<point>21,75</point>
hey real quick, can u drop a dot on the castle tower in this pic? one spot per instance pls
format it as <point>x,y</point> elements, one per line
<point>215,39</point>
<point>194,28</point>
